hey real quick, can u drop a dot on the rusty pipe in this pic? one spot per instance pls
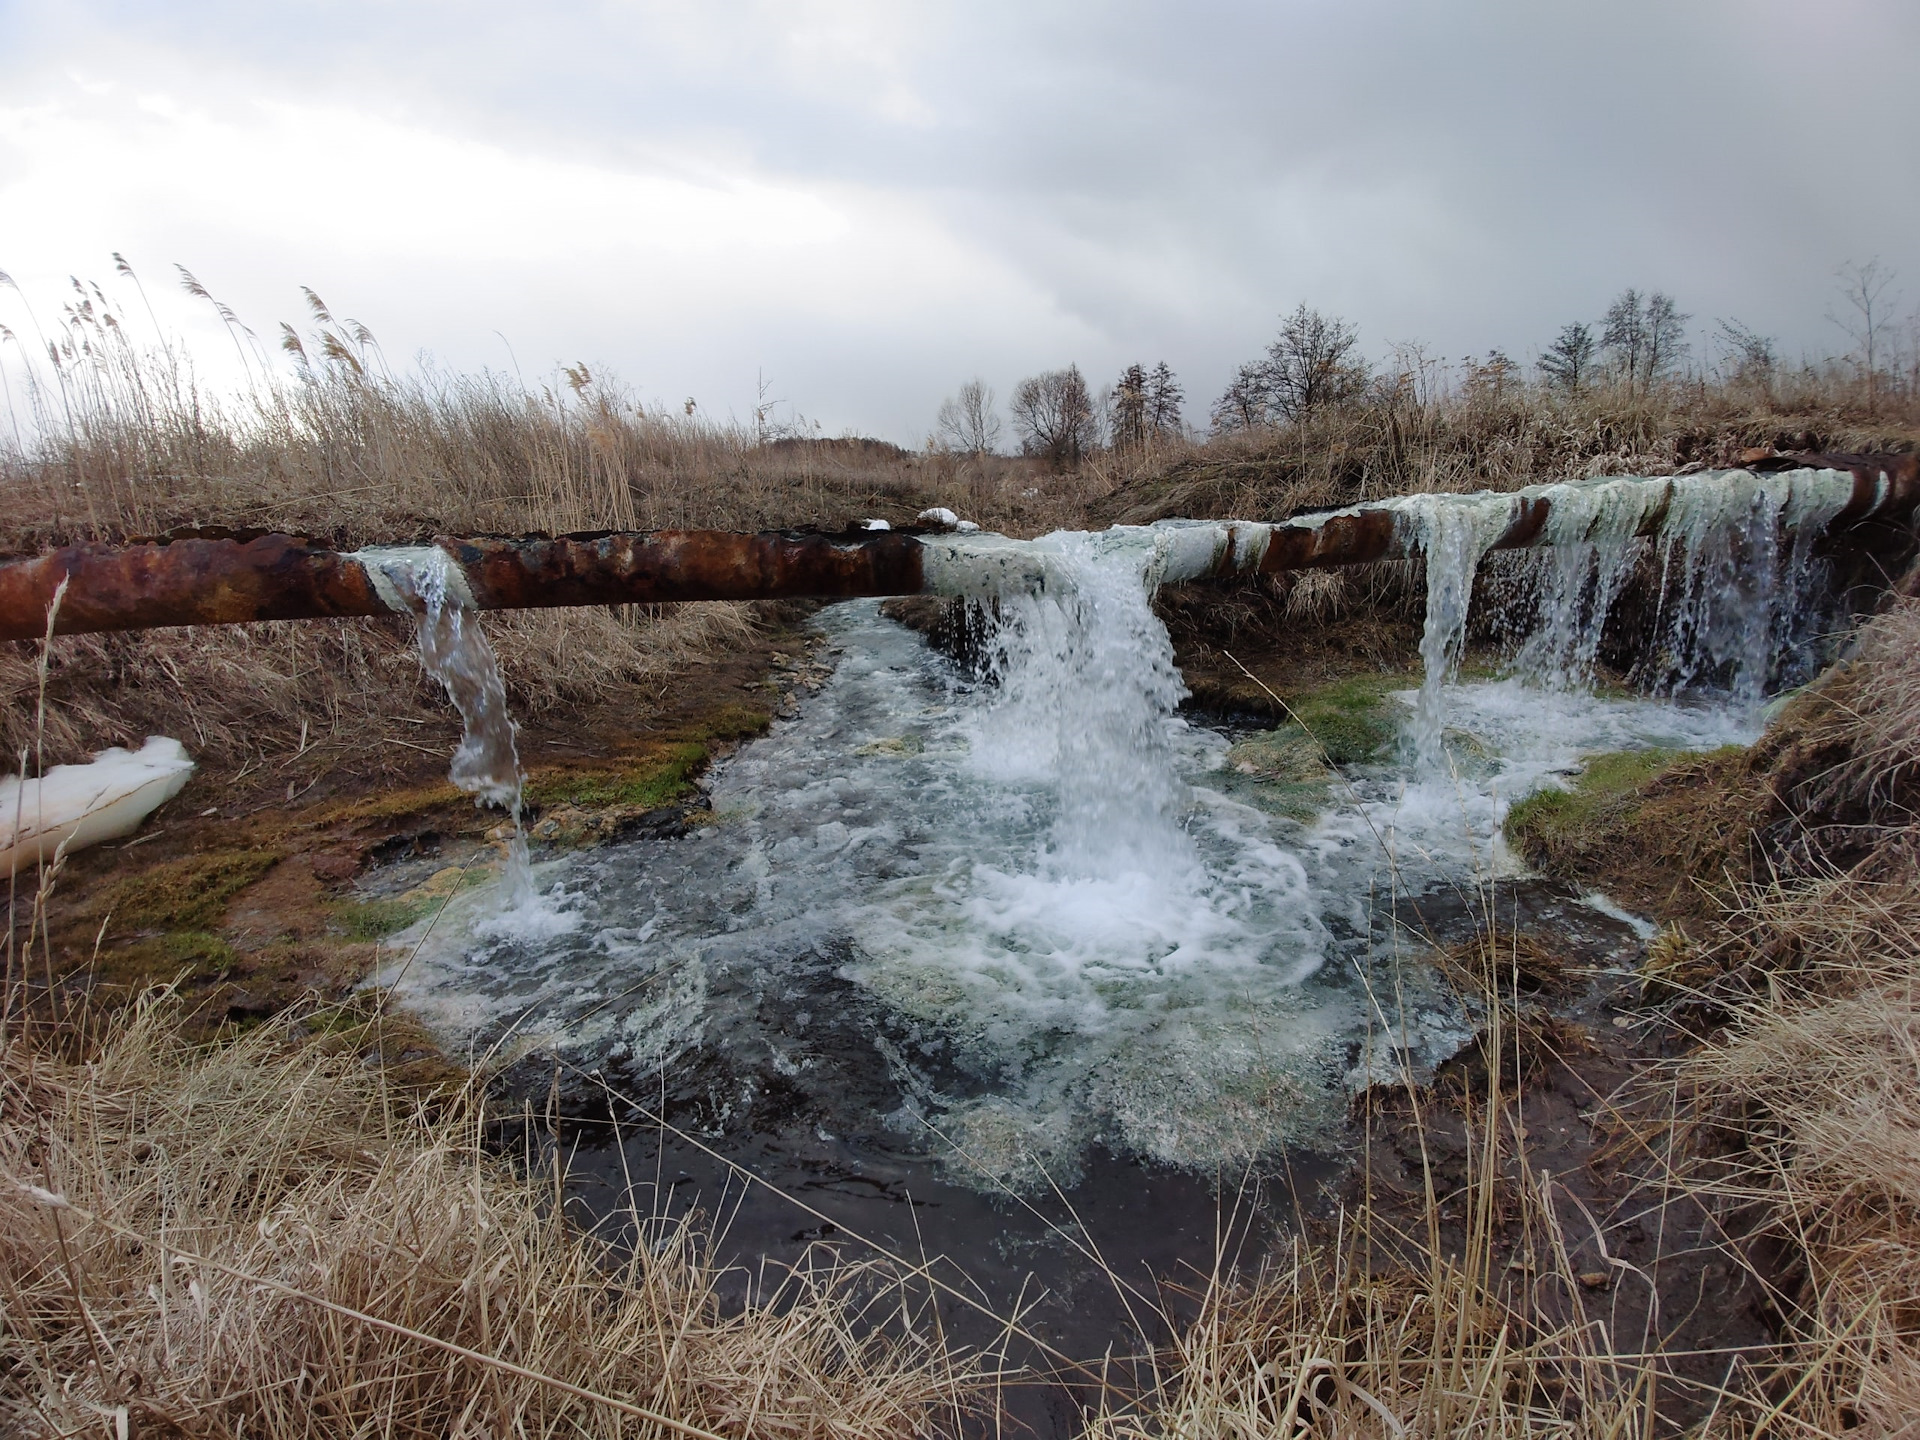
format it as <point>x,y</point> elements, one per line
<point>212,577</point>
<point>1884,488</point>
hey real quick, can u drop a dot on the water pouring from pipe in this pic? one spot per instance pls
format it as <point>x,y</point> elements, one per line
<point>454,650</point>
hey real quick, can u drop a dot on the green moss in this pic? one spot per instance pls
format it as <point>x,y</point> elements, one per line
<point>1351,720</point>
<point>1554,829</point>
<point>736,722</point>
<point>372,919</point>
<point>387,805</point>
<point>190,893</point>
<point>1286,755</point>
<point>657,779</point>
<point>162,957</point>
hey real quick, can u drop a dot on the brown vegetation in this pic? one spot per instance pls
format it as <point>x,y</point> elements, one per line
<point>1407,434</point>
<point>267,1238</point>
<point>1807,1108</point>
<point>130,445</point>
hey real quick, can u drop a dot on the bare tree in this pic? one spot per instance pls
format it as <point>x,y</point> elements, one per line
<point>1645,337</point>
<point>1745,354</point>
<point>1568,363</point>
<point>1164,397</point>
<point>1127,412</point>
<point>1144,406</point>
<point>968,421</point>
<point>1666,337</point>
<point>1624,334</point>
<point>1312,364</point>
<point>1243,405</point>
<point>1055,416</point>
<point>1488,380</point>
<point>1863,291</point>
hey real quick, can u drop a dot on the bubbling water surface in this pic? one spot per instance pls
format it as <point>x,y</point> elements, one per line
<point>1051,911</point>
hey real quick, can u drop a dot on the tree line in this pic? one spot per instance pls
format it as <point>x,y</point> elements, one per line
<point>1059,419</point>
<point>1639,345</point>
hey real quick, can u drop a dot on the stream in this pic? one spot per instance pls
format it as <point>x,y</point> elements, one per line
<point>1020,974</point>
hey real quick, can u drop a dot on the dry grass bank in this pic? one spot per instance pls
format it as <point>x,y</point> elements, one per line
<point>1480,1318</point>
<point>1406,435</point>
<point>1806,1108</point>
<point>268,1238</point>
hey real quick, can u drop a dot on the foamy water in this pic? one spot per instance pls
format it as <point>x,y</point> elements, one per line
<point>1087,926</point>
<point>1209,998</point>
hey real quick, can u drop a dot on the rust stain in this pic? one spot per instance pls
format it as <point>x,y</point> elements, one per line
<point>194,579</point>
<point>627,568</point>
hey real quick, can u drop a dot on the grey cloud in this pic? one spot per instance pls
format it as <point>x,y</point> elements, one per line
<point>1175,175</point>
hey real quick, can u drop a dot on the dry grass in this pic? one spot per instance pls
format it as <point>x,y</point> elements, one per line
<point>127,443</point>
<point>1412,432</point>
<point>234,693</point>
<point>1323,1345</point>
<point>1468,1317</point>
<point>268,1239</point>
<point>1807,1109</point>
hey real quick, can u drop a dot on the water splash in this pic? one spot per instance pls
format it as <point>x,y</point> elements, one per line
<point>1086,684</point>
<point>1732,607</point>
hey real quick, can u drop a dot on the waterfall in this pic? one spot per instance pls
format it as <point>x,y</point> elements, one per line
<point>1735,562</point>
<point>1592,529</point>
<point>1087,683</point>
<point>1454,532</point>
<point>1729,596</point>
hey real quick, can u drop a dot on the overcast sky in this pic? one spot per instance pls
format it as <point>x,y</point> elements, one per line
<point>870,202</point>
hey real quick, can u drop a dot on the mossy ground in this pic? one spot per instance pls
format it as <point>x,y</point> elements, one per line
<point>651,778</point>
<point>1661,829</point>
<point>1351,721</point>
<point>376,919</point>
<point>189,893</point>
<point>1557,828</point>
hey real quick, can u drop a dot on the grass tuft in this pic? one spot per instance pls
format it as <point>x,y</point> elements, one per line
<point>267,1238</point>
<point>657,779</point>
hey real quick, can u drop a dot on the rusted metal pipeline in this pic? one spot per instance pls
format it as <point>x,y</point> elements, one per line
<point>1885,488</point>
<point>213,577</point>
<point>217,578</point>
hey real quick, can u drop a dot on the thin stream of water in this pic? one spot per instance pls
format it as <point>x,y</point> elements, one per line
<point>454,649</point>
